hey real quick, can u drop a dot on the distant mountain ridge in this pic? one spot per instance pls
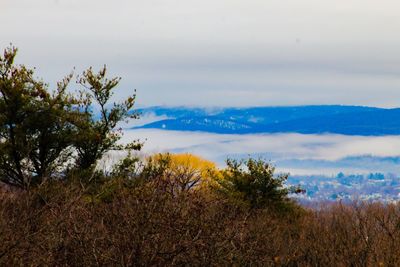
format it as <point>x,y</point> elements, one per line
<point>336,119</point>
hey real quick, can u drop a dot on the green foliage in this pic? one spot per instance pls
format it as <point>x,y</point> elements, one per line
<point>45,132</point>
<point>156,166</point>
<point>129,167</point>
<point>252,182</point>
<point>35,126</point>
<point>100,135</point>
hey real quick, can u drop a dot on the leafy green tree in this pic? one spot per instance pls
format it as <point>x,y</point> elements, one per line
<point>44,132</point>
<point>17,88</point>
<point>50,132</point>
<point>253,183</point>
<point>94,136</point>
<point>34,124</point>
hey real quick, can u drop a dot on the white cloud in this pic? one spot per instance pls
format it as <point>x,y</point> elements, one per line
<point>276,147</point>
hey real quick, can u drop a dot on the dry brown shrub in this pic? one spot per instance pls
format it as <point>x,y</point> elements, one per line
<point>62,224</point>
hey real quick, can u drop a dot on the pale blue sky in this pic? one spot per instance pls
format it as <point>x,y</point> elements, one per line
<point>218,52</point>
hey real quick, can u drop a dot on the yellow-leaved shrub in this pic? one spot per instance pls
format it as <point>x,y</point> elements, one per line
<point>185,171</point>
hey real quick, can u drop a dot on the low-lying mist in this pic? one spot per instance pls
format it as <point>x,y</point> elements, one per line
<point>295,153</point>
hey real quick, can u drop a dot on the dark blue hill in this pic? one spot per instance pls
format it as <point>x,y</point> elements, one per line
<point>213,124</point>
<point>380,122</point>
<point>350,120</point>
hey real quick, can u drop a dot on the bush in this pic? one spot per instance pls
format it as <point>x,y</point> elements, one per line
<point>57,224</point>
<point>181,172</point>
<point>252,183</point>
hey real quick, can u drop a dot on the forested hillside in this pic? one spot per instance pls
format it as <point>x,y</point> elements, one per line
<point>348,120</point>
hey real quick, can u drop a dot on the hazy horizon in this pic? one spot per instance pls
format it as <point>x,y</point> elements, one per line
<point>320,153</point>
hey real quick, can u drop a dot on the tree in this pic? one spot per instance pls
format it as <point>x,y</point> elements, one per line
<point>180,172</point>
<point>43,131</point>
<point>188,171</point>
<point>49,131</point>
<point>96,137</point>
<point>34,126</point>
<point>252,182</point>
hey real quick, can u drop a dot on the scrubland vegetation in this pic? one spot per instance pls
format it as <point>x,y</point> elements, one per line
<point>57,209</point>
<point>155,220</point>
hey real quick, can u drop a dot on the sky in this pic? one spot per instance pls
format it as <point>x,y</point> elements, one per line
<point>217,52</point>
